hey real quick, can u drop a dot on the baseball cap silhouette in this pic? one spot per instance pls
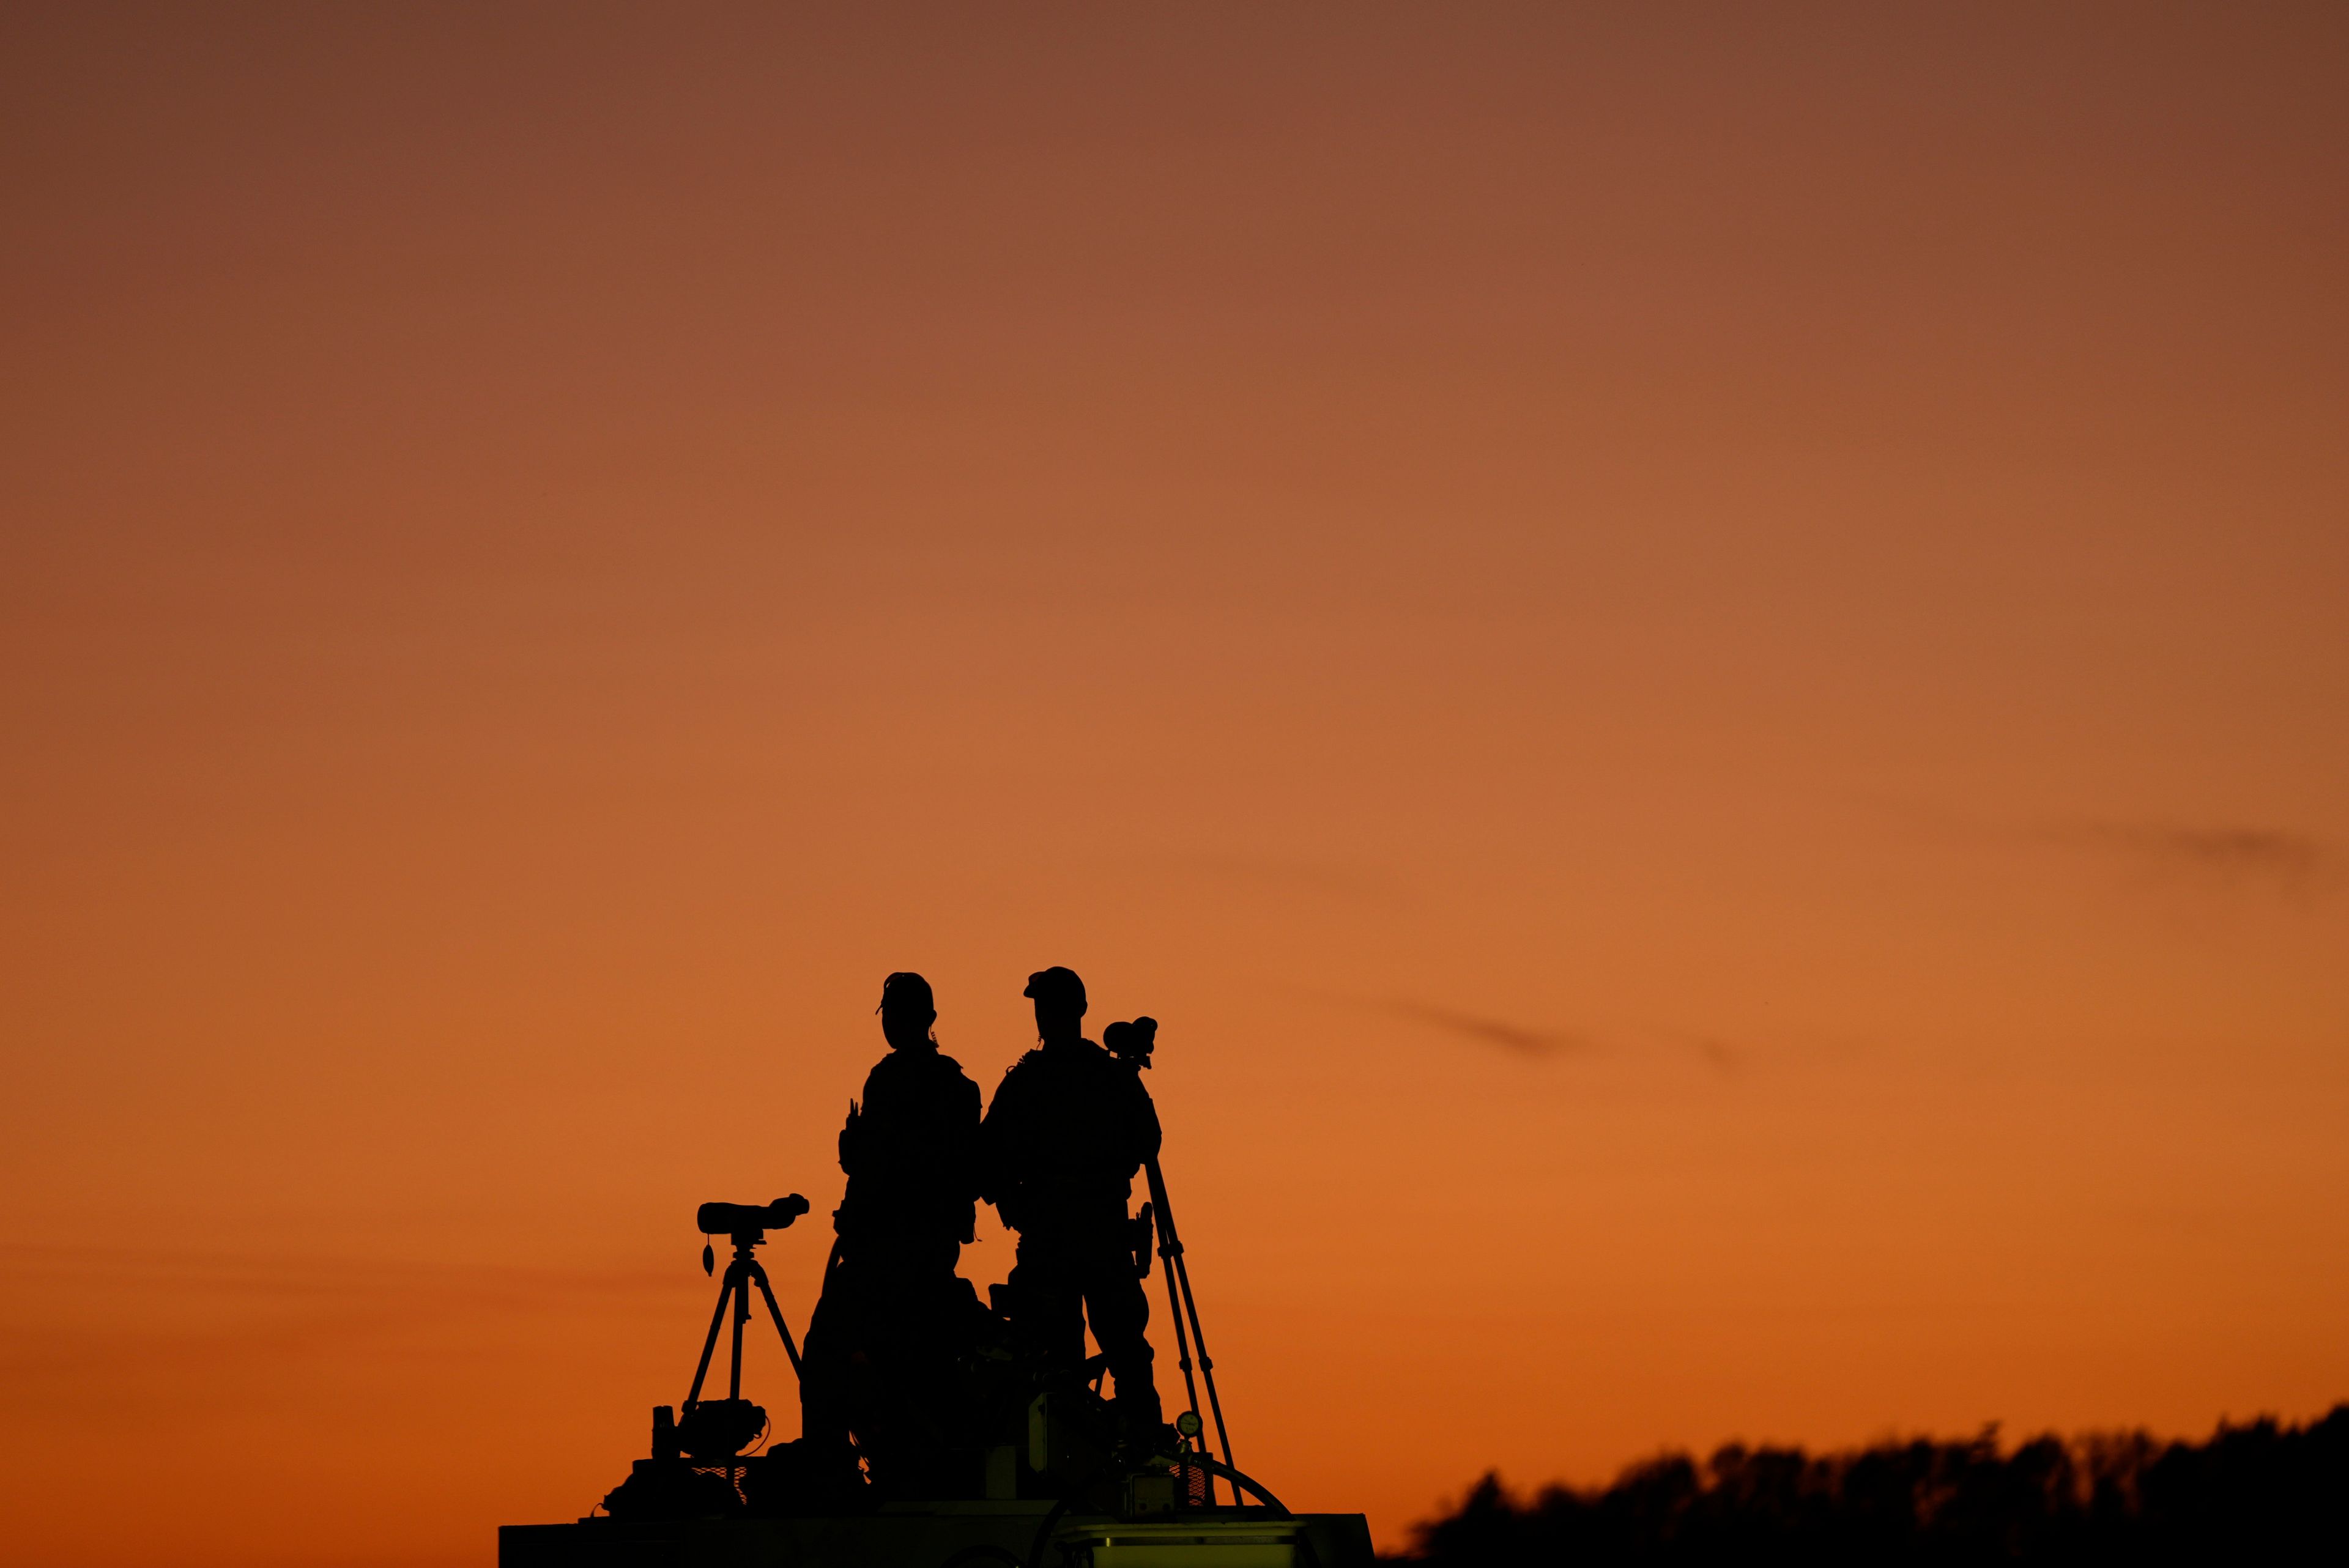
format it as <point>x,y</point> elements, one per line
<point>1057,984</point>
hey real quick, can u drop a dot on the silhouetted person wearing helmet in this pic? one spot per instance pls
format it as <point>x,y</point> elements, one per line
<point>1063,1139</point>
<point>881,1347</point>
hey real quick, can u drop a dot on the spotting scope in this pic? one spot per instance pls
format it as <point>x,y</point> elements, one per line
<point>743,1219</point>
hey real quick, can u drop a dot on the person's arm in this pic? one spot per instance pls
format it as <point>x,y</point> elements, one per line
<point>852,1141</point>
<point>858,1136</point>
<point>999,1139</point>
<point>962,1139</point>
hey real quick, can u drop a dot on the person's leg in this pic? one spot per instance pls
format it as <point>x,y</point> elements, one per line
<point>1119,1312</point>
<point>884,1370</point>
<point>918,1332</point>
<point>1047,1302</point>
<point>905,1276</point>
<point>823,1364</point>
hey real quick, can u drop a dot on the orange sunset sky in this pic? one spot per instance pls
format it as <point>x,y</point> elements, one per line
<point>1697,654</point>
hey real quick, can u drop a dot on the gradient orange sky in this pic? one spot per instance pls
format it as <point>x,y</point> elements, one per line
<point>1700,658</point>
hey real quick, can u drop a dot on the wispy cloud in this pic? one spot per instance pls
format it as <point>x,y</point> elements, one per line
<point>318,1276</point>
<point>1521,1039</point>
<point>212,1332</point>
<point>2292,861</point>
<point>1715,1053</point>
<point>1535,1041</point>
<point>2249,856</point>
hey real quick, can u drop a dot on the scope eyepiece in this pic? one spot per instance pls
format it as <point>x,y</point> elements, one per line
<point>736,1219</point>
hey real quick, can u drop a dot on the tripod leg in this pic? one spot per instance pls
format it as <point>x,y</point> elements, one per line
<point>710,1344</point>
<point>1170,1248</point>
<point>1207,1362</point>
<point>1182,1340</point>
<point>1167,1253</point>
<point>776,1313</point>
<point>1181,1271</point>
<point>742,1316</point>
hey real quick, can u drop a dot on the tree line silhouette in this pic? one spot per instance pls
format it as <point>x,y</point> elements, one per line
<point>2258,1492</point>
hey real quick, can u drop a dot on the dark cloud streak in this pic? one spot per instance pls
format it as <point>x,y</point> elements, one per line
<point>2294,861</point>
<point>1510,1036</point>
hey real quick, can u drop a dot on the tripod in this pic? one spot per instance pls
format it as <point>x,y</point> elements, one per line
<point>1132,1045</point>
<point>1181,1303</point>
<point>741,1274</point>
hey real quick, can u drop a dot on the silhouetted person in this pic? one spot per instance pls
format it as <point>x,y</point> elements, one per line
<point>1063,1139</point>
<point>881,1346</point>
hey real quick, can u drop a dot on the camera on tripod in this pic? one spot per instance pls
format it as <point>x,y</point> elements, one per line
<point>1132,1043</point>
